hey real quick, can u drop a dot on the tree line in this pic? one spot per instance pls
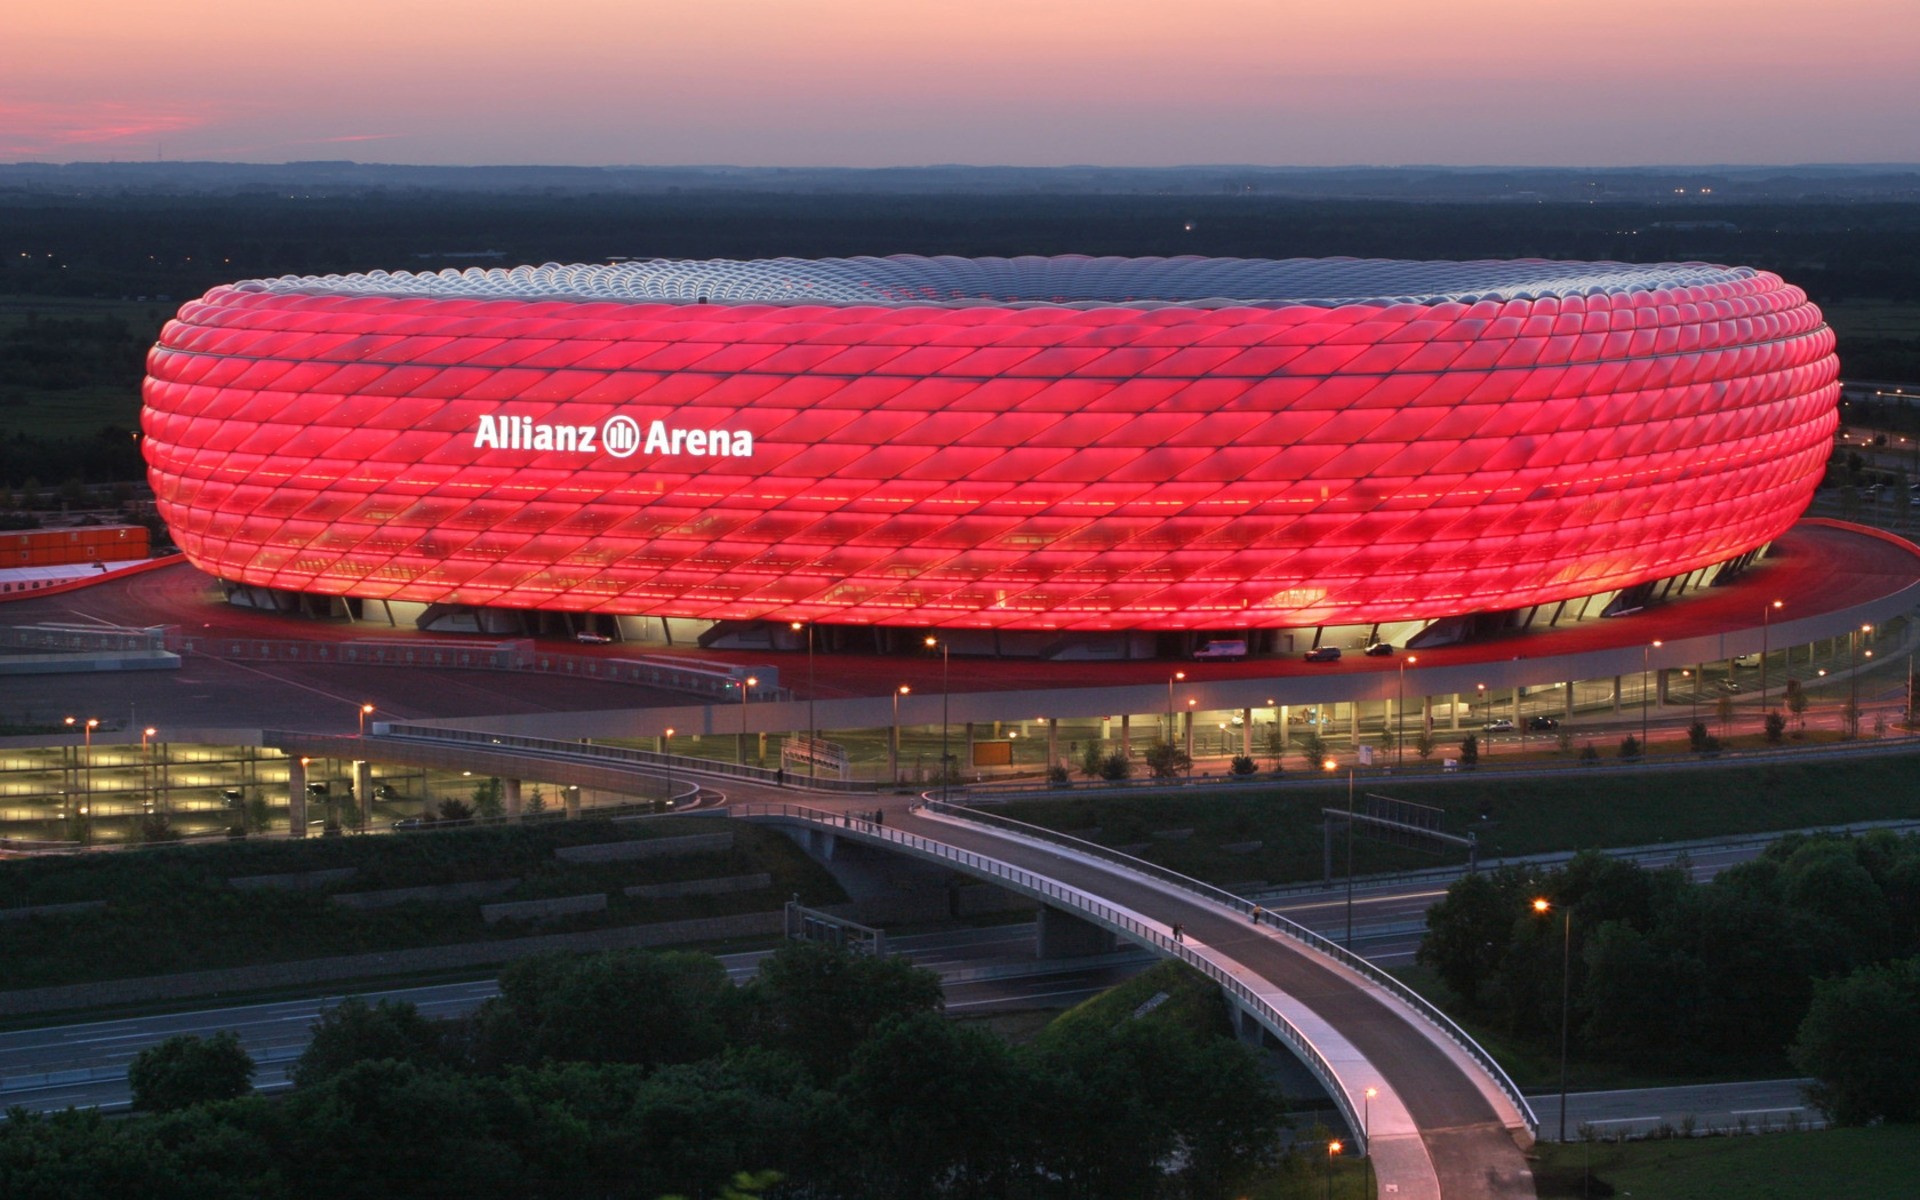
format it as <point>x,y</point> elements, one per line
<point>635,1074</point>
<point>1807,951</point>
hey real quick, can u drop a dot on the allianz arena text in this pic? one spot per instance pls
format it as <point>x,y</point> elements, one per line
<point>1041,444</point>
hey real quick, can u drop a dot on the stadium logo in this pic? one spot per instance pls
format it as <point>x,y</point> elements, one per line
<point>620,437</point>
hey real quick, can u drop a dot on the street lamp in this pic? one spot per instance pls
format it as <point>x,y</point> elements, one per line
<point>813,724</point>
<point>1170,681</point>
<point>1853,683</point>
<point>893,746</point>
<point>146,766</point>
<point>1190,708</point>
<point>366,710</point>
<point>666,752</point>
<point>1646,657</point>
<point>946,691</point>
<point>1330,765</point>
<point>1333,1149</point>
<point>1481,697</point>
<point>1766,617</point>
<point>1400,708</point>
<point>746,685</point>
<point>1366,1131</point>
<point>1542,906</point>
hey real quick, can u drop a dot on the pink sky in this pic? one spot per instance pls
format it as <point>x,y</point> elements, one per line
<point>906,82</point>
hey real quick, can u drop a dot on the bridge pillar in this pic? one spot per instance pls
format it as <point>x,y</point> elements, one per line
<point>510,798</point>
<point>296,797</point>
<point>363,790</point>
<point>1060,934</point>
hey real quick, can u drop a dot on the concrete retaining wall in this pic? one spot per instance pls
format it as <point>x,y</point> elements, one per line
<point>294,880</point>
<point>672,847</point>
<point>439,893</point>
<point>540,910</point>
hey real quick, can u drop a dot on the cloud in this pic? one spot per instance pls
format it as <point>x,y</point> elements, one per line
<point>35,127</point>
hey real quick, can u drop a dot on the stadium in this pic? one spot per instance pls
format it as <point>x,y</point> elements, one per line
<point>1041,447</point>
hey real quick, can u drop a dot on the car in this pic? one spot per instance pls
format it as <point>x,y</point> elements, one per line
<point>1499,725</point>
<point>1729,686</point>
<point>1324,654</point>
<point>1380,650</point>
<point>1746,660</point>
<point>233,796</point>
<point>1547,723</point>
<point>588,638</point>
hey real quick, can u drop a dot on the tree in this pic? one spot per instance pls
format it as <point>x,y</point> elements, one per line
<point>623,1006</point>
<point>1776,729</point>
<point>1723,711</point>
<point>1242,766</point>
<point>1167,760</point>
<point>186,1070</point>
<point>1115,767</point>
<point>1565,740</point>
<point>536,799</point>
<point>1698,737</point>
<point>354,1031</point>
<point>1057,776</point>
<point>1469,751</point>
<point>1797,703</point>
<point>1092,759</point>
<point>1630,747</point>
<point>1589,755</point>
<point>486,800</point>
<point>817,1003</point>
<point>1861,1043</point>
<point>1424,744</point>
<point>1313,748</point>
<point>455,810</point>
<point>1850,719</point>
<point>1469,930</point>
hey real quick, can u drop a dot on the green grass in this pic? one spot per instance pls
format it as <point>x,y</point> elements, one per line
<point>1193,1002</point>
<point>1522,816</point>
<point>1836,1164</point>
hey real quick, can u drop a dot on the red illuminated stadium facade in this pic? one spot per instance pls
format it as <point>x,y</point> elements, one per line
<point>1029,444</point>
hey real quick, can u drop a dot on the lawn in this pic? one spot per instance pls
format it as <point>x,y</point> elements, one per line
<point>1836,1164</point>
<point>1509,816</point>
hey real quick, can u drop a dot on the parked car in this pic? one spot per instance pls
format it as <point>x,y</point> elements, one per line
<point>1324,654</point>
<point>1500,725</point>
<point>1746,660</point>
<point>1222,648</point>
<point>591,639</point>
<point>1542,723</point>
<point>1729,686</point>
<point>1380,650</point>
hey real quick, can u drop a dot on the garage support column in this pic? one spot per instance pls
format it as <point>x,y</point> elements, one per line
<point>363,791</point>
<point>1568,688</point>
<point>1126,736</point>
<point>1246,733</point>
<point>969,760</point>
<point>1454,709</point>
<point>296,798</point>
<point>1189,735</point>
<point>1353,723</point>
<point>510,798</point>
<point>1516,708</point>
<point>1616,695</point>
<point>1660,687</point>
<point>1053,742</point>
<point>573,803</point>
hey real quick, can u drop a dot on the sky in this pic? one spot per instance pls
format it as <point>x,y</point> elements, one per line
<point>873,83</point>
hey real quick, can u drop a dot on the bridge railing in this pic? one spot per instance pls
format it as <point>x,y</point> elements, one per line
<point>1080,902</point>
<point>621,755</point>
<point>1290,929</point>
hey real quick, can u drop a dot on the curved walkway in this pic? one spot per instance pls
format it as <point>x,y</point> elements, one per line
<point>1440,1127</point>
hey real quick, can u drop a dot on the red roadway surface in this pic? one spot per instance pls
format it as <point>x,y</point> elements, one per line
<point>1816,567</point>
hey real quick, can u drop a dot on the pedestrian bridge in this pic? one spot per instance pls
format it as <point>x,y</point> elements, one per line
<point>1439,1116</point>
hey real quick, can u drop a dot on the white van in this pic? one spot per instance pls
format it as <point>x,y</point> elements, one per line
<point>1234,648</point>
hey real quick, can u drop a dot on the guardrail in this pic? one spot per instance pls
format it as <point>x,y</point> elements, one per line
<point>1291,929</point>
<point>1041,887</point>
<point>621,755</point>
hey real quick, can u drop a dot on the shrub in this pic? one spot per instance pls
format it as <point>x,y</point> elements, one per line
<point>1776,729</point>
<point>1115,767</point>
<point>1469,751</point>
<point>186,1070</point>
<point>1589,755</point>
<point>1057,775</point>
<point>1698,737</point>
<point>1630,747</point>
<point>1242,766</point>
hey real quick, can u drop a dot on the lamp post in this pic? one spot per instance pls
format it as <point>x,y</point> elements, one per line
<point>1366,1131</point>
<point>666,752</point>
<point>1333,1150</point>
<point>1766,619</point>
<point>146,767</point>
<point>1543,907</point>
<point>366,710</point>
<point>1330,765</point>
<point>1853,686</point>
<point>813,723</point>
<point>1190,708</point>
<point>1646,658</point>
<point>1400,710</point>
<point>746,685</point>
<point>1170,681</point>
<point>946,691</point>
<point>893,745</point>
<point>1480,697</point>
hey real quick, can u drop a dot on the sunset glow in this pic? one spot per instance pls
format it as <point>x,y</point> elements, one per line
<point>876,82</point>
